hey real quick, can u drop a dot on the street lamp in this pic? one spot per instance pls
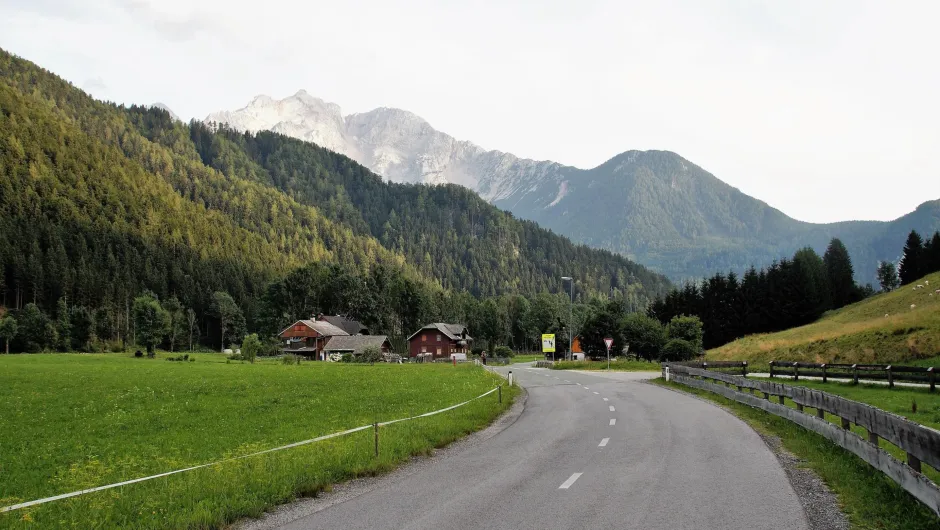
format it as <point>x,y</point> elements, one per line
<point>570,304</point>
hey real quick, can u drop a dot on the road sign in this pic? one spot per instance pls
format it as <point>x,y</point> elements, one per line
<point>609,342</point>
<point>548,343</point>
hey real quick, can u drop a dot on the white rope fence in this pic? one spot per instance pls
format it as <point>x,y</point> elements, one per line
<point>272,450</point>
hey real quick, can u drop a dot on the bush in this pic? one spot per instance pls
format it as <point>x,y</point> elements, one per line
<point>678,350</point>
<point>181,358</point>
<point>686,328</point>
<point>503,351</point>
<point>290,358</point>
<point>138,354</point>
<point>347,358</point>
<point>371,355</point>
<point>250,347</point>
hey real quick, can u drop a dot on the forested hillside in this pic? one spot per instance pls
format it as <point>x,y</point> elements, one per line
<point>101,202</point>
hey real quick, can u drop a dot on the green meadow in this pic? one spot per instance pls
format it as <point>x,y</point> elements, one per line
<point>75,421</point>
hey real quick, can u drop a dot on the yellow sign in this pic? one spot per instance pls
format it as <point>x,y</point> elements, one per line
<point>548,343</point>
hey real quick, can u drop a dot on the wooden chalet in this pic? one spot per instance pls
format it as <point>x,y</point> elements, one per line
<point>440,340</point>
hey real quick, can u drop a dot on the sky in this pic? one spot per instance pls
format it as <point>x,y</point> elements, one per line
<point>829,110</point>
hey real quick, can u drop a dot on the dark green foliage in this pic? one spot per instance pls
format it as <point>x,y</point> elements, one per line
<point>503,351</point>
<point>231,322</point>
<point>678,350</point>
<point>686,328</point>
<point>36,332</point>
<point>8,330</point>
<point>251,346</point>
<point>840,275</point>
<point>888,276</point>
<point>606,322</point>
<point>151,322</point>
<point>912,264</point>
<point>645,335</point>
<point>82,325</point>
<point>932,253</point>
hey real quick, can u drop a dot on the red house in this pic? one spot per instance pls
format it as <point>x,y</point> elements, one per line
<point>309,337</point>
<point>440,340</point>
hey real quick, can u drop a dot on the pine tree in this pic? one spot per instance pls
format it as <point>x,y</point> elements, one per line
<point>932,254</point>
<point>840,275</point>
<point>888,276</point>
<point>912,266</point>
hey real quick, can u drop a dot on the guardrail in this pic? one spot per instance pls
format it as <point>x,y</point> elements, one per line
<point>920,443</point>
<point>544,364</point>
<point>880,372</point>
<point>721,366</point>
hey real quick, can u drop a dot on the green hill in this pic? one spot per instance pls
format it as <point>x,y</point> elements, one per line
<point>99,202</point>
<point>881,329</point>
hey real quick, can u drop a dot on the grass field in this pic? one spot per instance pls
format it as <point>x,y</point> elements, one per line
<point>618,366</point>
<point>528,357</point>
<point>868,498</point>
<point>77,421</point>
<point>856,333</point>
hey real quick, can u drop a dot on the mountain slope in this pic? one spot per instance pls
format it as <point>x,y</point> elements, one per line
<point>654,207</point>
<point>102,201</point>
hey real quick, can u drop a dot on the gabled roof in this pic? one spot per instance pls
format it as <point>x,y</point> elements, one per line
<point>323,328</point>
<point>451,331</point>
<point>353,327</point>
<point>355,343</point>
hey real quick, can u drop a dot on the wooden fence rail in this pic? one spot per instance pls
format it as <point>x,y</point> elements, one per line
<point>921,443</point>
<point>880,372</point>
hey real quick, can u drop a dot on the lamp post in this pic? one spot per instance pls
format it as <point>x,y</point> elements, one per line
<point>570,320</point>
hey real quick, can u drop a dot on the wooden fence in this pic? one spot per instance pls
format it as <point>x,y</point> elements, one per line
<point>728,367</point>
<point>921,443</point>
<point>880,372</point>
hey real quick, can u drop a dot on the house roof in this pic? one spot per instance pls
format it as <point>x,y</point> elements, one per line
<point>355,343</point>
<point>451,331</point>
<point>352,327</point>
<point>323,328</point>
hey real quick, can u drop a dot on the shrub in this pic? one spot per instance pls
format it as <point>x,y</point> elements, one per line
<point>290,358</point>
<point>347,358</point>
<point>250,347</point>
<point>138,353</point>
<point>686,328</point>
<point>371,355</point>
<point>503,351</point>
<point>678,350</point>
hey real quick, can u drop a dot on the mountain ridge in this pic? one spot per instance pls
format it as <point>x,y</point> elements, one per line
<point>655,207</point>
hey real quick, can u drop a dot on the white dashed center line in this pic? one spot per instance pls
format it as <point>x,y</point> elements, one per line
<point>597,393</point>
<point>612,409</point>
<point>571,480</point>
<point>603,442</point>
<point>567,381</point>
<point>613,421</point>
<point>605,399</point>
<point>586,388</point>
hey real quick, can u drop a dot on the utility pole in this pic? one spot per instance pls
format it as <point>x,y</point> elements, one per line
<point>570,355</point>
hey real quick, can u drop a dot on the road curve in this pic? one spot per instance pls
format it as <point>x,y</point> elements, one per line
<point>588,452</point>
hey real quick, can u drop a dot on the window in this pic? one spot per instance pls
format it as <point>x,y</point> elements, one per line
<point>424,349</point>
<point>438,337</point>
<point>438,351</point>
<point>424,337</point>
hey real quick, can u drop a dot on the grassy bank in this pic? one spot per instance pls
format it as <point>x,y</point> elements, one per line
<point>618,365</point>
<point>867,497</point>
<point>528,357</point>
<point>78,421</point>
<point>857,333</point>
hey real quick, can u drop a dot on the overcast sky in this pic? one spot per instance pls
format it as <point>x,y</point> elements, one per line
<point>827,110</point>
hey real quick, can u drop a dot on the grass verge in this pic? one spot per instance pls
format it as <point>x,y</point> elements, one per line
<point>869,499</point>
<point>619,365</point>
<point>78,421</point>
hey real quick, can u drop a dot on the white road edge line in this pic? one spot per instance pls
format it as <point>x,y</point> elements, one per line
<point>571,480</point>
<point>597,393</point>
<point>567,381</point>
<point>603,442</point>
<point>612,409</point>
<point>586,388</point>
<point>613,421</point>
<point>605,399</point>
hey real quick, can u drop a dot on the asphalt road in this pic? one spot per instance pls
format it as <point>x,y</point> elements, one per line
<point>590,452</point>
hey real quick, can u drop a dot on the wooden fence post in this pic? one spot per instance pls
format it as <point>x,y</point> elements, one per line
<point>744,369</point>
<point>824,372</point>
<point>500,393</point>
<point>872,438</point>
<point>782,400</point>
<point>913,462</point>
<point>376,427</point>
<point>820,413</point>
<point>846,424</point>
<point>855,374</point>
<point>799,407</point>
<point>766,396</point>
<point>796,371</point>
<point>933,378</point>
<point>890,377</point>
<point>771,369</point>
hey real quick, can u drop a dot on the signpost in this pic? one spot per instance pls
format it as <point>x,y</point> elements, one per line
<point>548,344</point>
<point>609,342</point>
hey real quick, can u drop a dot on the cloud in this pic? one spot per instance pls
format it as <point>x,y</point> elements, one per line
<point>173,26</point>
<point>95,86</point>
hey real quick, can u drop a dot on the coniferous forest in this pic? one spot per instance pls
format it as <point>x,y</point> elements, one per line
<point>105,208</point>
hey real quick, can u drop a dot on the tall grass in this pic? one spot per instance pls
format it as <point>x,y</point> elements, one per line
<point>72,422</point>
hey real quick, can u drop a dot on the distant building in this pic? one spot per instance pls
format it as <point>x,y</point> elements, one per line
<point>440,340</point>
<point>356,344</point>
<point>350,326</point>
<point>309,337</point>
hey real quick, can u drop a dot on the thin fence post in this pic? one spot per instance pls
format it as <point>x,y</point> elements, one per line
<point>500,393</point>
<point>933,378</point>
<point>913,462</point>
<point>744,369</point>
<point>766,396</point>
<point>796,371</point>
<point>855,374</point>
<point>771,369</point>
<point>824,372</point>
<point>782,400</point>
<point>872,438</point>
<point>799,407</point>
<point>820,413</point>
<point>846,424</point>
<point>376,427</point>
<point>890,377</point>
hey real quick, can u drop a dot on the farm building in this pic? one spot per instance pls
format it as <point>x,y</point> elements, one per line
<point>440,340</point>
<point>356,344</point>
